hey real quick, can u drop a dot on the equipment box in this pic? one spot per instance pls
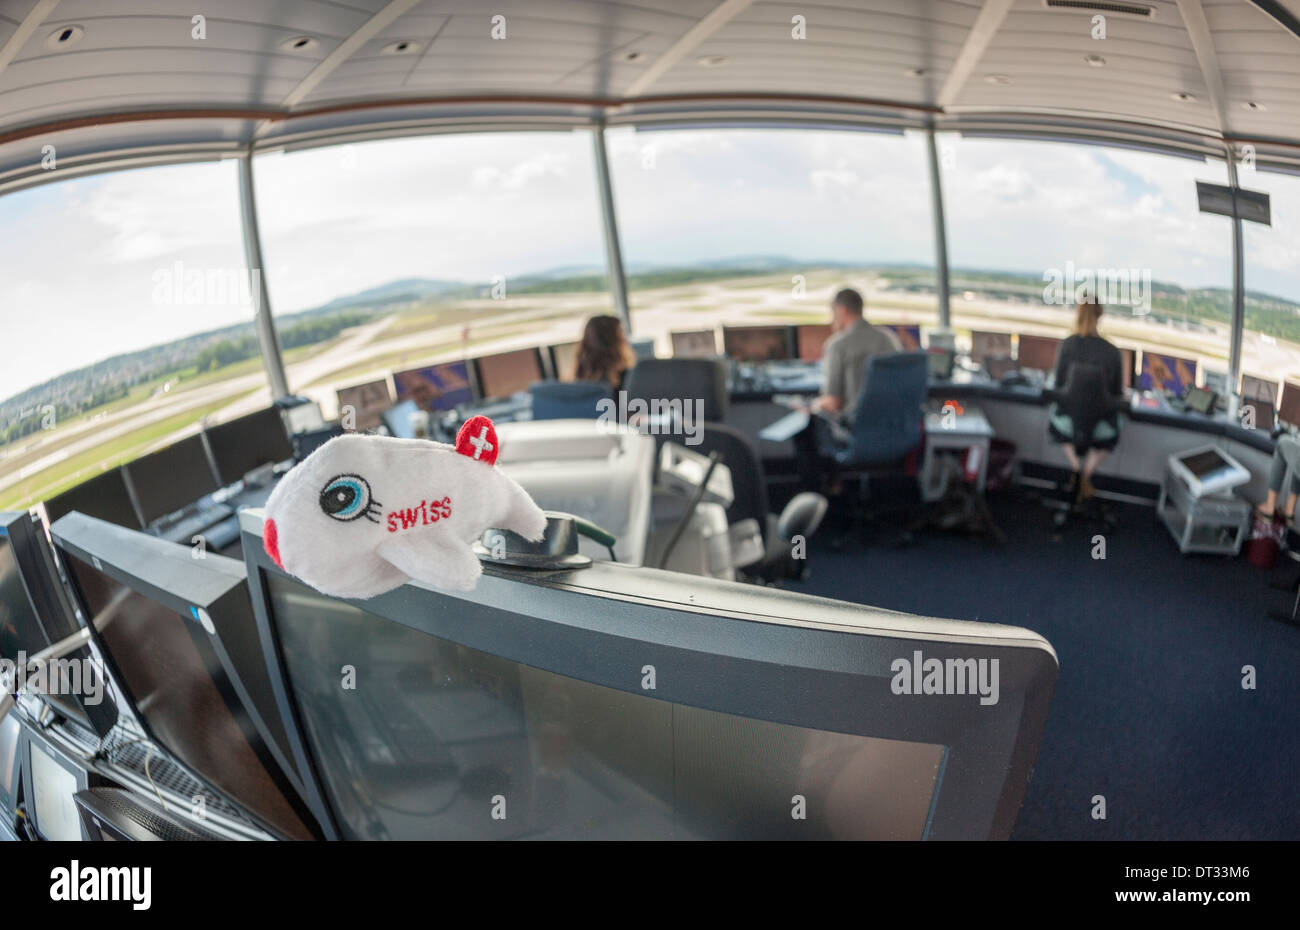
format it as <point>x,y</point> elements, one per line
<point>1213,523</point>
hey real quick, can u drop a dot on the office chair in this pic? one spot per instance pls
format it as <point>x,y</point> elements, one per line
<point>749,509</point>
<point>1080,415</point>
<point>888,424</point>
<point>568,400</point>
<point>663,380</point>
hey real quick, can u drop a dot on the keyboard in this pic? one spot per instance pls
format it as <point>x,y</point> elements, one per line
<point>790,425</point>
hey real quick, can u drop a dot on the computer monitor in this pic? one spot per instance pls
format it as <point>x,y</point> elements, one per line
<point>810,340</point>
<point>564,360</point>
<point>909,335</point>
<point>50,779</point>
<point>1167,373</point>
<point>757,343</point>
<point>1289,409</point>
<point>702,343</point>
<point>35,613</point>
<point>11,732</point>
<point>362,405</point>
<point>438,387</point>
<point>1128,359</point>
<point>599,708</point>
<point>129,816</point>
<point>1038,353</point>
<point>104,496</point>
<point>179,636</point>
<point>1253,388</point>
<point>507,373</point>
<point>249,442</point>
<point>984,346</point>
<point>172,479</point>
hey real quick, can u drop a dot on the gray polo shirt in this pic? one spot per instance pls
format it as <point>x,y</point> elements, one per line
<point>845,354</point>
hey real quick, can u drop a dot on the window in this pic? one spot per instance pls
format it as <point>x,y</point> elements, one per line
<point>116,289</point>
<point>404,253</point>
<point>1030,223</point>
<point>736,226</point>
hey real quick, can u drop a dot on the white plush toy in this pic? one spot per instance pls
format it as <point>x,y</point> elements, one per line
<point>363,514</point>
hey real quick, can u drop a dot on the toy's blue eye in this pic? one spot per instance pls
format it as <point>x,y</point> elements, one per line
<point>346,497</point>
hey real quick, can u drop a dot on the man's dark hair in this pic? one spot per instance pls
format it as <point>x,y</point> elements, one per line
<point>850,300</point>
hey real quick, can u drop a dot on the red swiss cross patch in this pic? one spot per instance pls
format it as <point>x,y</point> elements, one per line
<point>477,439</point>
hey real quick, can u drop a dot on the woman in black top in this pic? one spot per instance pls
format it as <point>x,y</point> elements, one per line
<point>604,354</point>
<point>1086,347</point>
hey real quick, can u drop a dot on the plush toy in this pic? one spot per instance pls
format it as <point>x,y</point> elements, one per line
<point>363,514</point>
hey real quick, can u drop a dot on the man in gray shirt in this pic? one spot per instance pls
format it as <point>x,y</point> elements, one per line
<point>853,342</point>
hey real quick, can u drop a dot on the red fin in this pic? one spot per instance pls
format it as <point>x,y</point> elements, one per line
<point>477,440</point>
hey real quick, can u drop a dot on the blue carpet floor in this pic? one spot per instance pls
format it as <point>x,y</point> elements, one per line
<point>1149,709</point>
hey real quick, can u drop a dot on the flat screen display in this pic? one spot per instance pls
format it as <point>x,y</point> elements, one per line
<point>248,443</point>
<point>52,789</point>
<point>909,335</point>
<point>173,478</point>
<point>756,343</point>
<point>1254,388</point>
<point>1290,410</point>
<point>437,387</point>
<point>20,628</point>
<point>440,733</point>
<point>565,358</point>
<point>10,731</point>
<point>700,344</point>
<point>989,345</point>
<point>1204,464</point>
<point>174,679</point>
<point>508,373</point>
<point>365,403</point>
<point>1166,373</point>
<point>1038,353</point>
<point>811,338</point>
<point>103,496</point>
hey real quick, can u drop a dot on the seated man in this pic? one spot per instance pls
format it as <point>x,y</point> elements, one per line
<point>852,342</point>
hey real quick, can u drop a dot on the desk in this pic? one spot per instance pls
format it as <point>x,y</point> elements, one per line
<point>948,430</point>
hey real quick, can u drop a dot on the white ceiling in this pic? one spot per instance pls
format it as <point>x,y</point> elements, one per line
<point>995,66</point>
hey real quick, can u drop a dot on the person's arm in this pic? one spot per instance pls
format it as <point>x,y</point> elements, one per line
<point>832,396</point>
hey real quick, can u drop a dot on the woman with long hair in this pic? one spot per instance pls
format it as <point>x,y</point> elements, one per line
<point>604,353</point>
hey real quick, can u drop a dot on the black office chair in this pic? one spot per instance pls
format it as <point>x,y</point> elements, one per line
<point>1086,415</point>
<point>664,380</point>
<point>888,425</point>
<point>780,533</point>
<point>568,400</point>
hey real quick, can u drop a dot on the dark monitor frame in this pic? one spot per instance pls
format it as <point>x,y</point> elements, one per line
<point>476,372</point>
<point>785,657</point>
<point>102,480</point>
<point>146,493</point>
<point>471,376</point>
<point>1288,410</point>
<point>232,426</point>
<point>791,350</point>
<point>86,777</point>
<point>1129,368</point>
<point>167,574</point>
<point>54,611</point>
<point>14,775</point>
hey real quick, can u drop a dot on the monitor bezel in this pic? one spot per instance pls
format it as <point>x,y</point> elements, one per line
<point>232,427</point>
<point>168,575</point>
<point>787,329</point>
<point>480,391</point>
<point>214,481</point>
<point>84,774</point>
<point>471,378</point>
<point>801,653</point>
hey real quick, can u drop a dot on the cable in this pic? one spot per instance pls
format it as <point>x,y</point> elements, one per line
<point>696,497</point>
<point>149,776</point>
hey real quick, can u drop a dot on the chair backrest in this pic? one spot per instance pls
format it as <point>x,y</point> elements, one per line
<point>1085,398</point>
<point>568,400</point>
<point>740,456</point>
<point>887,422</point>
<point>681,379</point>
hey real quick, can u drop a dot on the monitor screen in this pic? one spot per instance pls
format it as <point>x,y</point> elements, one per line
<point>105,496</point>
<point>436,387</point>
<point>699,344</point>
<point>362,405</point>
<point>1253,388</point>
<point>173,478</point>
<point>10,733</point>
<point>20,628</point>
<point>172,676</point>
<point>441,728</point>
<point>242,445</point>
<point>989,345</point>
<point>811,339</point>
<point>1166,373</point>
<point>909,335</point>
<point>52,789</point>
<point>756,343</point>
<point>565,359</point>
<point>1289,412</point>
<point>1038,353</point>
<point>508,373</point>
<point>1203,464</point>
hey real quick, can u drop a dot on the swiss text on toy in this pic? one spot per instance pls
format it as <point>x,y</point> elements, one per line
<point>423,514</point>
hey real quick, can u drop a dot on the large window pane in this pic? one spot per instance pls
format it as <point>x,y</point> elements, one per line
<point>116,289</point>
<point>723,226</point>
<point>1030,223</point>
<point>430,249</point>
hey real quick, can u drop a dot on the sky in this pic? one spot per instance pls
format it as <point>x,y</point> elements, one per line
<point>88,264</point>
